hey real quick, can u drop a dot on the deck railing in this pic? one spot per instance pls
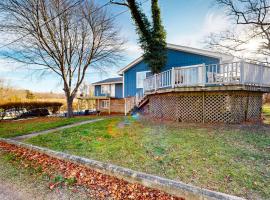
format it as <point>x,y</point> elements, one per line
<point>235,73</point>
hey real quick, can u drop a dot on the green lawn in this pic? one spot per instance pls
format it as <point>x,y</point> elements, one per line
<point>21,127</point>
<point>266,113</point>
<point>233,159</point>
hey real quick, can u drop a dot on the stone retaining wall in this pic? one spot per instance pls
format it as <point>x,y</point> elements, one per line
<point>179,189</point>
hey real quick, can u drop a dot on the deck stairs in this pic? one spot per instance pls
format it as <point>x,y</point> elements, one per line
<point>139,103</point>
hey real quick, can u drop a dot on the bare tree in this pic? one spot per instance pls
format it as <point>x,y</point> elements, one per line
<point>253,18</point>
<point>62,37</point>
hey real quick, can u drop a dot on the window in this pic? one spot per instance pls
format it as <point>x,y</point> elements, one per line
<point>105,89</point>
<point>140,76</point>
<point>105,104</point>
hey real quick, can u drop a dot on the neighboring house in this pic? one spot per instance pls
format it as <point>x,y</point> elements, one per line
<point>111,87</point>
<point>108,95</point>
<point>196,85</point>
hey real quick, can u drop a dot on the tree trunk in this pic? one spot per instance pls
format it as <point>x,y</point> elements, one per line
<point>70,107</point>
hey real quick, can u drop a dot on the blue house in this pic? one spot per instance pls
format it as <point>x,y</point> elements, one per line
<point>195,85</point>
<point>108,95</point>
<point>177,56</point>
<point>135,73</point>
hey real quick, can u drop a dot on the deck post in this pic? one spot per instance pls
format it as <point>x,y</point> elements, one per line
<point>204,74</point>
<point>261,75</point>
<point>173,77</point>
<point>242,73</point>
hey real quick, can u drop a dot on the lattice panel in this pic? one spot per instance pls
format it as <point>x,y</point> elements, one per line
<point>163,106</point>
<point>224,107</point>
<point>189,107</point>
<point>217,108</point>
<point>254,107</point>
<point>155,106</point>
<point>239,105</point>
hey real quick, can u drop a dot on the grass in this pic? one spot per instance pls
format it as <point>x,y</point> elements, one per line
<point>266,113</point>
<point>15,128</point>
<point>233,160</point>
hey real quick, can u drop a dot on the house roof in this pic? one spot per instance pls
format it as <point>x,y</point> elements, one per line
<point>109,81</point>
<point>223,57</point>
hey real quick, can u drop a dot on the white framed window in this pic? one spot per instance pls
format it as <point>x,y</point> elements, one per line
<point>105,104</point>
<point>140,76</point>
<point>105,89</point>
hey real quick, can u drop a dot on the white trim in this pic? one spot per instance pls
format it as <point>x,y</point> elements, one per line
<point>141,73</point>
<point>221,56</point>
<point>107,83</point>
<point>123,86</point>
<point>120,72</point>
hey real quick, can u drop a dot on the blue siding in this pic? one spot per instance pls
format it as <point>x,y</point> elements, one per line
<point>119,90</point>
<point>175,59</point>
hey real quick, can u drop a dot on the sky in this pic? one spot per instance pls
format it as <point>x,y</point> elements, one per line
<point>187,22</point>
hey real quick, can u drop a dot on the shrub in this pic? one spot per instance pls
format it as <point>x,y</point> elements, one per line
<point>21,107</point>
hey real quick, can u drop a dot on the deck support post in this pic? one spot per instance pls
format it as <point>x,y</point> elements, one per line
<point>203,109</point>
<point>125,106</point>
<point>155,82</point>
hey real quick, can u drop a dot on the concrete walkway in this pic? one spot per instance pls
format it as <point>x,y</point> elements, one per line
<point>23,137</point>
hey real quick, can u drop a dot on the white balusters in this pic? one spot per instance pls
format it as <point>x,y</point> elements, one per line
<point>206,75</point>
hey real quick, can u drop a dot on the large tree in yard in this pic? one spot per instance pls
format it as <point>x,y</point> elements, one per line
<point>152,37</point>
<point>251,19</point>
<point>62,37</point>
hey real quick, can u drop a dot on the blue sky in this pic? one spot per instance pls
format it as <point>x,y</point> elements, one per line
<point>186,22</point>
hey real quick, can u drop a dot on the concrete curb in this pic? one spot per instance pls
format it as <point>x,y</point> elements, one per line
<point>176,188</point>
<point>22,137</point>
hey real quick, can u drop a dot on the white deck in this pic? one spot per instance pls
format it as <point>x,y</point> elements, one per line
<point>237,73</point>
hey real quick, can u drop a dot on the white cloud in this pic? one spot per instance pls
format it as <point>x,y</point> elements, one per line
<point>214,21</point>
<point>9,66</point>
<point>133,49</point>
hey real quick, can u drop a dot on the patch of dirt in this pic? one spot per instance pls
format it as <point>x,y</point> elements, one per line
<point>121,125</point>
<point>11,191</point>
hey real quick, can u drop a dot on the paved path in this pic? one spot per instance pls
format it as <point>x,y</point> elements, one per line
<point>30,191</point>
<point>9,192</point>
<point>23,137</point>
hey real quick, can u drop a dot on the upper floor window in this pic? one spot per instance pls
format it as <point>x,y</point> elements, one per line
<point>105,89</point>
<point>140,76</point>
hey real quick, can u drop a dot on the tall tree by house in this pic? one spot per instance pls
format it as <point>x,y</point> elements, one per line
<point>152,37</point>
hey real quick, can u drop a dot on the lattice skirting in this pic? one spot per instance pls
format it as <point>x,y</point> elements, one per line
<point>225,107</point>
